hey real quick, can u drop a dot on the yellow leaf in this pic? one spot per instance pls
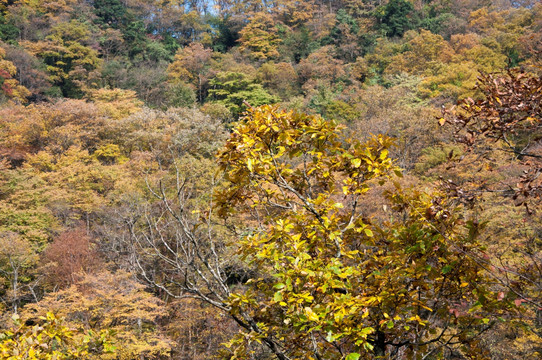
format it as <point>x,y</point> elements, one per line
<point>311,315</point>
<point>356,163</point>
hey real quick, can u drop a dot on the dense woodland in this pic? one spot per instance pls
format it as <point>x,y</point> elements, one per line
<point>342,179</point>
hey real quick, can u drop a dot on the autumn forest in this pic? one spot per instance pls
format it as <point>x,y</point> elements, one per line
<point>238,179</point>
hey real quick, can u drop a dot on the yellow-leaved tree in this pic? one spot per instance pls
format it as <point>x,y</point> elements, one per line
<point>109,303</point>
<point>50,338</point>
<point>260,37</point>
<point>329,281</point>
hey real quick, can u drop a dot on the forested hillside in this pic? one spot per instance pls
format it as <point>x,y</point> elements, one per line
<point>342,179</point>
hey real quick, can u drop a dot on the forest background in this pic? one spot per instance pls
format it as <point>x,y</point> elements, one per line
<point>112,113</point>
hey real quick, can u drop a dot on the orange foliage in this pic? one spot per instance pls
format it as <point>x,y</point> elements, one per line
<point>69,257</point>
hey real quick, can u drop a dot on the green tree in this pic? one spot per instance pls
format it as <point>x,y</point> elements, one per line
<point>8,32</point>
<point>117,15</point>
<point>232,89</point>
<point>110,12</point>
<point>396,17</point>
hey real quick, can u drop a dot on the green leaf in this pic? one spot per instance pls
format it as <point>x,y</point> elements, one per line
<point>390,324</point>
<point>352,356</point>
